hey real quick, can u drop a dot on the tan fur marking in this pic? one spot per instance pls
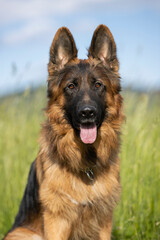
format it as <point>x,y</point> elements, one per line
<point>22,233</point>
<point>56,227</point>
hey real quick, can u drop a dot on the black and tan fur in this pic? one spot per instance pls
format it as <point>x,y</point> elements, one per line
<point>61,200</point>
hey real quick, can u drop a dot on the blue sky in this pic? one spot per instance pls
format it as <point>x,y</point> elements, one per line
<point>27,29</point>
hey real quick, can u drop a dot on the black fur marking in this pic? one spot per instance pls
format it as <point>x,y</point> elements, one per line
<point>30,205</point>
<point>81,77</point>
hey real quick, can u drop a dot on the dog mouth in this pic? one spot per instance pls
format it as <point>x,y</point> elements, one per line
<point>86,122</point>
<point>88,133</point>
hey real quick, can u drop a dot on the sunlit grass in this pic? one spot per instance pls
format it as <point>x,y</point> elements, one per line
<point>138,214</point>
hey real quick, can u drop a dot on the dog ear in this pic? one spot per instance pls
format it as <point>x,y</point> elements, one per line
<point>63,48</point>
<point>103,47</point>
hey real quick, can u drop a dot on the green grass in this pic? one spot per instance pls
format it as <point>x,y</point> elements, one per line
<point>138,213</point>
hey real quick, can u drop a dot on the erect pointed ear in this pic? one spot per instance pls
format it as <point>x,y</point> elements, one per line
<point>103,47</point>
<point>63,48</point>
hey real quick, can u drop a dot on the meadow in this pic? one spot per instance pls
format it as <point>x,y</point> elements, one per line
<point>137,217</point>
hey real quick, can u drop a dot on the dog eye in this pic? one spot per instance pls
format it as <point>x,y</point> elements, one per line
<point>98,85</point>
<point>71,86</point>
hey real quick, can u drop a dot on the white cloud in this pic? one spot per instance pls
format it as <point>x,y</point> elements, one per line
<point>18,10</point>
<point>36,16</point>
<point>28,31</point>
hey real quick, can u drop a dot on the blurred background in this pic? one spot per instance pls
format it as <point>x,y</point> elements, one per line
<point>27,29</point>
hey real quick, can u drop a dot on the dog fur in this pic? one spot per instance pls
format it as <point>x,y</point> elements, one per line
<point>74,187</point>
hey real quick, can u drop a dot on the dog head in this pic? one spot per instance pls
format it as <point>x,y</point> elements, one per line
<point>85,90</point>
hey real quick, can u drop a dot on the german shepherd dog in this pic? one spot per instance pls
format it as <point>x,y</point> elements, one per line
<point>74,183</point>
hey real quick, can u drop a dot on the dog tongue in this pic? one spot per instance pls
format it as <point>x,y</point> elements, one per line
<point>88,134</point>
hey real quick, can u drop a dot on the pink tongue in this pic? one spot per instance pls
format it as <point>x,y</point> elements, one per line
<point>88,135</point>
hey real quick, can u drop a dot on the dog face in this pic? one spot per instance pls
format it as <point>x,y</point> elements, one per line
<point>85,101</point>
<point>87,85</point>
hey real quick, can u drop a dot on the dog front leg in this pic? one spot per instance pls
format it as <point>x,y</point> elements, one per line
<point>56,227</point>
<point>105,233</point>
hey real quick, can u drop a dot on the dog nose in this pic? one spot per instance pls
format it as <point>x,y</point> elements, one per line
<point>87,112</point>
